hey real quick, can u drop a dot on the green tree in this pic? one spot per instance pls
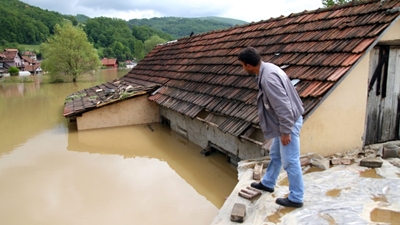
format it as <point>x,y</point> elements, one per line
<point>152,42</point>
<point>329,3</point>
<point>68,55</point>
<point>14,71</point>
<point>139,50</point>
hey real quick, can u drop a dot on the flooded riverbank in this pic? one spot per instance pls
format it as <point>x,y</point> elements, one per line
<point>52,174</point>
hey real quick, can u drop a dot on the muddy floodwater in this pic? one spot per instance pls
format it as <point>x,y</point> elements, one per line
<point>52,174</point>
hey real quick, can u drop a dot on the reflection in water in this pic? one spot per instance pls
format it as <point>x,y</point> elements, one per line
<point>52,174</point>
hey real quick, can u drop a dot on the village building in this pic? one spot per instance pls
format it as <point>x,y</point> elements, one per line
<point>32,65</point>
<point>344,62</point>
<point>11,57</point>
<point>130,64</point>
<point>109,63</point>
<point>30,55</point>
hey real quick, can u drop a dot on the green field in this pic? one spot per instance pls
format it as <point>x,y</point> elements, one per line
<point>30,47</point>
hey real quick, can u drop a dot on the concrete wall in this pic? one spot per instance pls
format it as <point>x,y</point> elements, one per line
<point>136,110</point>
<point>201,133</point>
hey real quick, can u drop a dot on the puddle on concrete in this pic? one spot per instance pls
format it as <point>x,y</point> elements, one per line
<point>380,198</point>
<point>335,192</point>
<point>276,217</point>
<point>385,216</point>
<point>370,173</point>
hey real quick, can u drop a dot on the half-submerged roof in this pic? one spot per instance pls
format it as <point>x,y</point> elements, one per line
<point>91,98</point>
<point>317,47</point>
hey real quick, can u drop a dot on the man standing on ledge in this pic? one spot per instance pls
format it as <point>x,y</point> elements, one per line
<point>280,113</point>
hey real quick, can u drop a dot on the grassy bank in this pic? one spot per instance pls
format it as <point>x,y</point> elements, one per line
<point>30,47</point>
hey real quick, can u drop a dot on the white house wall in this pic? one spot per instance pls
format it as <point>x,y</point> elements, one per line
<point>202,133</point>
<point>137,110</point>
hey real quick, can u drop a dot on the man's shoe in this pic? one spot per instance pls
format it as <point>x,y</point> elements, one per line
<point>260,186</point>
<point>287,203</point>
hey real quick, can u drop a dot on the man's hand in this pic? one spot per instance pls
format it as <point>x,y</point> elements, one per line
<point>285,139</point>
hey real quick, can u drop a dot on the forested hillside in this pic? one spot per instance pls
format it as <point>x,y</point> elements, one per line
<point>180,27</point>
<point>26,24</point>
<point>116,39</point>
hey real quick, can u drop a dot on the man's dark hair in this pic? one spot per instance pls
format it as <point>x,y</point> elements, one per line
<point>249,56</point>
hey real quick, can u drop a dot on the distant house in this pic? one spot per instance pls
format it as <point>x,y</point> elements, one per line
<point>110,63</point>
<point>11,57</point>
<point>343,61</point>
<point>130,64</point>
<point>33,69</point>
<point>2,64</point>
<point>29,54</point>
<point>32,65</point>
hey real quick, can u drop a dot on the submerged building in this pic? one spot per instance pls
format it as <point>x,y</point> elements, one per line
<point>344,62</point>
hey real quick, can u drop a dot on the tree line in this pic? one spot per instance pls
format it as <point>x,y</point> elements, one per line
<point>180,27</point>
<point>114,39</point>
<point>22,23</point>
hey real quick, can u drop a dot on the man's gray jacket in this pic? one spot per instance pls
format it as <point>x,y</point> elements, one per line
<point>279,105</point>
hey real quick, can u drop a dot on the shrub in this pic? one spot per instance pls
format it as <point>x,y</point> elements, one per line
<point>14,71</point>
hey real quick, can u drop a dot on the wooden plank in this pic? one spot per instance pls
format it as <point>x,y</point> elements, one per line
<point>397,91</point>
<point>372,103</point>
<point>388,119</point>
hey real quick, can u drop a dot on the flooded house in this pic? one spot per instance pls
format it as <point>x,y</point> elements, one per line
<point>344,62</point>
<point>110,63</point>
<point>11,57</point>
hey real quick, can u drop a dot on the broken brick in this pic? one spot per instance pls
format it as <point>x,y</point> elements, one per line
<point>249,193</point>
<point>341,161</point>
<point>238,212</point>
<point>257,172</point>
<point>371,162</point>
<point>390,151</point>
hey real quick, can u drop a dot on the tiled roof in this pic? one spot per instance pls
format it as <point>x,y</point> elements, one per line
<point>29,59</point>
<point>32,68</point>
<point>317,47</point>
<point>10,54</point>
<point>28,53</point>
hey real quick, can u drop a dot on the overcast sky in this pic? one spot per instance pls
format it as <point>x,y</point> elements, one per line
<point>247,10</point>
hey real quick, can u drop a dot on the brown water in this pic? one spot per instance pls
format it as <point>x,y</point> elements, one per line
<point>370,173</point>
<point>383,216</point>
<point>52,174</point>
